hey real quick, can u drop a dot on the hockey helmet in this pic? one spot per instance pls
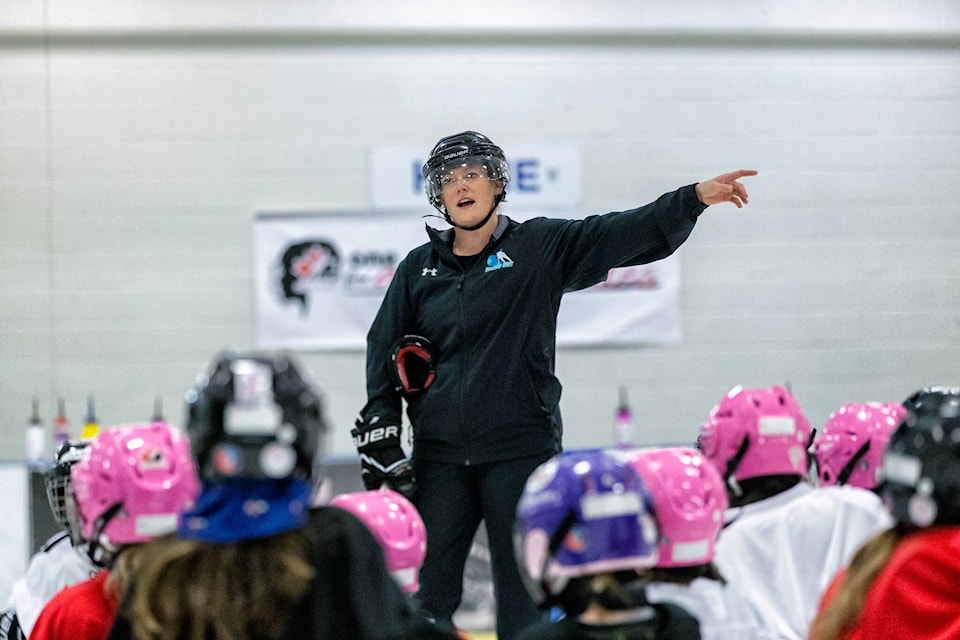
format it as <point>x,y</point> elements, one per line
<point>468,148</point>
<point>756,432</point>
<point>582,513</point>
<point>255,416</point>
<point>689,498</point>
<point>133,482</point>
<point>849,449</point>
<point>921,467</point>
<point>57,482</point>
<point>397,526</point>
<point>412,364</point>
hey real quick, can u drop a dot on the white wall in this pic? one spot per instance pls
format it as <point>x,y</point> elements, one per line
<point>138,140</point>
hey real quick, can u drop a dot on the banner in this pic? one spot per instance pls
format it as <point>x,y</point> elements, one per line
<point>542,176</point>
<point>320,277</point>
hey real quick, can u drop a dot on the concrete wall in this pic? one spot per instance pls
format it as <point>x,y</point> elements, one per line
<point>138,140</point>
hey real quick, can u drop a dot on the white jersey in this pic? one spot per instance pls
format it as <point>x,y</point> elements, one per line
<point>724,613</point>
<point>60,565</point>
<point>783,551</point>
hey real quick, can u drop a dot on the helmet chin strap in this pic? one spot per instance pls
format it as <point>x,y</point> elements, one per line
<point>473,227</point>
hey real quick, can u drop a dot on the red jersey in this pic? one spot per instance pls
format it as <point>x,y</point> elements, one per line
<point>917,595</point>
<point>82,611</point>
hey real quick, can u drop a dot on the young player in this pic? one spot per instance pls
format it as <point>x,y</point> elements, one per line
<point>62,561</point>
<point>253,559</point>
<point>784,539</point>
<point>689,500</point>
<point>903,583</point>
<point>585,526</point>
<point>131,485</point>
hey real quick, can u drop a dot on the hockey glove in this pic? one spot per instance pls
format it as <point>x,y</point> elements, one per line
<point>382,460</point>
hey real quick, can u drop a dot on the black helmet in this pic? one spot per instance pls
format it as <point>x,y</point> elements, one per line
<point>921,466</point>
<point>255,416</point>
<point>460,150</point>
<point>58,484</point>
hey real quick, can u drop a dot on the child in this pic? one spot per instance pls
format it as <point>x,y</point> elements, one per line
<point>903,583</point>
<point>784,539</point>
<point>131,485</point>
<point>62,561</point>
<point>584,528</point>
<point>252,559</point>
<point>690,500</point>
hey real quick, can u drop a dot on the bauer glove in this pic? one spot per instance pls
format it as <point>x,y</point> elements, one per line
<point>382,460</point>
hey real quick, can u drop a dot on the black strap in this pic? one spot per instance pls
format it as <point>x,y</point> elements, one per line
<point>852,463</point>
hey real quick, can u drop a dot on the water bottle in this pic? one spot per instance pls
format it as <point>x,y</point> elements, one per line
<point>37,456</point>
<point>61,427</point>
<point>623,423</point>
<point>92,426</point>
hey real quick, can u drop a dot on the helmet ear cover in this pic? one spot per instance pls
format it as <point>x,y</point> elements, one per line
<point>412,365</point>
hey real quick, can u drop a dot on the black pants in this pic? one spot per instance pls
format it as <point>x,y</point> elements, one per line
<point>453,499</point>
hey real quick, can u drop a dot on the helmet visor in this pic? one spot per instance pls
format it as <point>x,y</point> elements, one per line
<point>463,169</point>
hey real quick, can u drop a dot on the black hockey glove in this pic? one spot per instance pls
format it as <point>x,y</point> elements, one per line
<point>382,460</point>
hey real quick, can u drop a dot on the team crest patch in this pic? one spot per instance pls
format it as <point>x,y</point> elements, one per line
<point>499,260</point>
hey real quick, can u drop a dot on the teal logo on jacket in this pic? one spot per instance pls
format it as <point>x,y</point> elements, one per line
<point>499,260</point>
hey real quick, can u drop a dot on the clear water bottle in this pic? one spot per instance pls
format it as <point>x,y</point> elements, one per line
<point>623,423</point>
<point>38,458</point>
<point>61,427</point>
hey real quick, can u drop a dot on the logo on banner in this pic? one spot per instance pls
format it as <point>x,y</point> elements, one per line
<point>308,266</point>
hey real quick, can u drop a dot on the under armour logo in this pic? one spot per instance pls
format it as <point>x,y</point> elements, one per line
<point>427,271</point>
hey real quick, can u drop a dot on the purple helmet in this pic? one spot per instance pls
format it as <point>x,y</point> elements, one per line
<point>849,449</point>
<point>689,498</point>
<point>582,513</point>
<point>397,526</point>
<point>133,482</point>
<point>756,432</point>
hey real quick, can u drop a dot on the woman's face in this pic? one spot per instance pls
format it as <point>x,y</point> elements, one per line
<point>468,194</point>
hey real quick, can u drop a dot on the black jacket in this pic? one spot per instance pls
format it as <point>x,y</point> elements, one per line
<point>494,320</point>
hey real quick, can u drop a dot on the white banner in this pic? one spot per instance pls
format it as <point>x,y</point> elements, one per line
<point>320,277</point>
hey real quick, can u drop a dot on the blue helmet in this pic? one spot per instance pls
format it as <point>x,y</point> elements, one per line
<point>582,513</point>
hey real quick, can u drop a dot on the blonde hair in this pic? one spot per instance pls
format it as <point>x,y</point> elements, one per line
<point>193,590</point>
<point>841,614</point>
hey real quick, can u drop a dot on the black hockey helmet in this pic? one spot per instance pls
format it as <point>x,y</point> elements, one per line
<point>412,364</point>
<point>921,466</point>
<point>461,150</point>
<point>57,482</point>
<point>255,416</point>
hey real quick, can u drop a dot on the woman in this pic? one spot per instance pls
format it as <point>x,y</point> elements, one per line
<point>484,296</point>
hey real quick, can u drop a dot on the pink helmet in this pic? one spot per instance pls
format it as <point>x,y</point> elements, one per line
<point>689,498</point>
<point>397,525</point>
<point>133,482</point>
<point>756,432</point>
<point>849,449</point>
